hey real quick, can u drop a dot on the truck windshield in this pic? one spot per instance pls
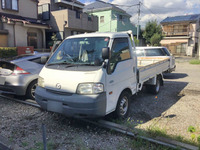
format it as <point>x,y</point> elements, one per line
<point>80,51</point>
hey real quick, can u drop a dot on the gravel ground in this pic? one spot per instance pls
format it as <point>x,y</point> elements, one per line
<point>21,124</point>
<point>176,107</point>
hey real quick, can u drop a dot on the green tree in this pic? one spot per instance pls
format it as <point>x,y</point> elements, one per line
<point>153,33</point>
<point>136,41</point>
<point>155,39</point>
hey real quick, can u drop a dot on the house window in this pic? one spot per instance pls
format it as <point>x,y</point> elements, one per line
<point>102,19</point>
<point>32,39</point>
<point>10,4</point>
<point>44,12</point>
<point>120,17</point>
<point>181,48</point>
<point>89,18</point>
<point>78,14</point>
<point>180,28</point>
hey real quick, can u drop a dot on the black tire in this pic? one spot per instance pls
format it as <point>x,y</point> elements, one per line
<point>30,92</point>
<point>154,89</point>
<point>123,106</point>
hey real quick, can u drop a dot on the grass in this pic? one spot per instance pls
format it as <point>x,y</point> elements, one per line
<point>195,62</point>
<point>144,145</point>
<point>39,146</point>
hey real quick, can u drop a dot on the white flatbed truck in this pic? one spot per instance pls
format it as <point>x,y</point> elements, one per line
<point>94,74</point>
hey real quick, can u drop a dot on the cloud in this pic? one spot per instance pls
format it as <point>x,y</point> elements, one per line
<point>155,9</point>
<point>158,9</point>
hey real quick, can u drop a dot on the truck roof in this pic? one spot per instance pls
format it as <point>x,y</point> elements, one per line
<point>101,34</point>
<point>148,47</point>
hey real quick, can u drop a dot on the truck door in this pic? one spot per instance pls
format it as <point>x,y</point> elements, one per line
<point>120,73</point>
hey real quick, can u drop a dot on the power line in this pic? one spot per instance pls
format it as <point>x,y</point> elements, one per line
<point>151,11</point>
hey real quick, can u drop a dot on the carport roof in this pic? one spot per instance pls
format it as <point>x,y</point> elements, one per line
<point>25,20</point>
<point>192,18</point>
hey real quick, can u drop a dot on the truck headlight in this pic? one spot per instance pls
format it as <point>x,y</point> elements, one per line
<point>90,88</point>
<point>41,81</point>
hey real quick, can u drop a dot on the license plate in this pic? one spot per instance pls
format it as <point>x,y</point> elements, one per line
<point>2,80</point>
<point>54,106</point>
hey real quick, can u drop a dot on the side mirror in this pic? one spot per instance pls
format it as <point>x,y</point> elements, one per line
<point>106,53</point>
<point>44,59</point>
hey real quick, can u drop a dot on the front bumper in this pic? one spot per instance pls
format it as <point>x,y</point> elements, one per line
<point>72,105</point>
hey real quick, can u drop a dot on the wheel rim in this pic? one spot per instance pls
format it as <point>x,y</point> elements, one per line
<point>157,86</point>
<point>33,90</point>
<point>123,106</point>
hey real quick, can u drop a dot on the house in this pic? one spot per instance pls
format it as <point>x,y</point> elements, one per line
<point>66,18</point>
<point>19,24</point>
<point>111,17</point>
<point>181,35</point>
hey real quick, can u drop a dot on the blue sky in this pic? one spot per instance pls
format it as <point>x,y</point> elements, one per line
<point>155,9</point>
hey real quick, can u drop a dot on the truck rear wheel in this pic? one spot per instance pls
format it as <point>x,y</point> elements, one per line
<point>123,105</point>
<point>154,89</point>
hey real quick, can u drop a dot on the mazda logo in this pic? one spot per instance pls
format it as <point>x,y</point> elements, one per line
<point>58,86</point>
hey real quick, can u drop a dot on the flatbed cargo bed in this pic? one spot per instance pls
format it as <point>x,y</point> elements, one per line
<point>148,67</point>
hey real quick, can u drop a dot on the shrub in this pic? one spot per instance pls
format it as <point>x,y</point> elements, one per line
<point>6,52</point>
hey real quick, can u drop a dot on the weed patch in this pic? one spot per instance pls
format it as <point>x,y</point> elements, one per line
<point>195,62</point>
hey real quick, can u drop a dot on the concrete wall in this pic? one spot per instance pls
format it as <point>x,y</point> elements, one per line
<point>66,18</point>
<point>27,8</point>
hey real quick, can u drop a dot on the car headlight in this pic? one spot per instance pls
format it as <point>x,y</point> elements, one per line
<point>90,88</point>
<point>41,81</point>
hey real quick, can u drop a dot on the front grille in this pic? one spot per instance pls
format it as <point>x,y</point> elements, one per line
<point>59,92</point>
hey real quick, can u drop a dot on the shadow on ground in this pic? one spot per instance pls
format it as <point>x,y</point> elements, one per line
<point>174,75</point>
<point>145,106</point>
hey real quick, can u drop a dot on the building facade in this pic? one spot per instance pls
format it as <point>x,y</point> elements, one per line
<point>19,24</point>
<point>181,36</point>
<point>111,18</point>
<point>66,18</point>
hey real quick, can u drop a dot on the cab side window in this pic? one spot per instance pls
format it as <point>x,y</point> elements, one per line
<point>120,52</point>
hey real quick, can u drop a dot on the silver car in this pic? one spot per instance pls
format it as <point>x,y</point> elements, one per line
<point>162,52</point>
<point>19,75</point>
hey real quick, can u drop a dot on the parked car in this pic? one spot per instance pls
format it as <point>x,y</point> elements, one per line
<point>158,52</point>
<point>18,75</point>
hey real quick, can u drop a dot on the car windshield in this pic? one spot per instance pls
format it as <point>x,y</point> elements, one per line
<point>155,52</point>
<point>139,52</point>
<point>80,51</point>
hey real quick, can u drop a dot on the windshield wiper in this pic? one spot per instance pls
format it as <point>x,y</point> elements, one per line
<point>73,65</point>
<point>61,63</point>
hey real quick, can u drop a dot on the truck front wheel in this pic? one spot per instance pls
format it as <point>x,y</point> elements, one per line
<point>123,105</point>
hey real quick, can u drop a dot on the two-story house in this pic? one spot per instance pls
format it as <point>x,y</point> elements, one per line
<point>66,18</point>
<point>111,17</point>
<point>19,24</point>
<point>181,36</point>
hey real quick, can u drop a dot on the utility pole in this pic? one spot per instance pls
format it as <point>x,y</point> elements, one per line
<point>138,20</point>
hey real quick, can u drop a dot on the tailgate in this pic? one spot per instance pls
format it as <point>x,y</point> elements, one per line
<point>150,67</point>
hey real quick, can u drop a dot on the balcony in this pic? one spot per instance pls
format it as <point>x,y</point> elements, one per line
<point>73,20</point>
<point>177,33</point>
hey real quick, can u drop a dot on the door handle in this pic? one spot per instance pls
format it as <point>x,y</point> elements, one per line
<point>111,81</point>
